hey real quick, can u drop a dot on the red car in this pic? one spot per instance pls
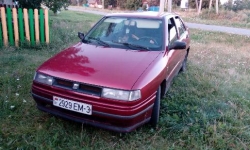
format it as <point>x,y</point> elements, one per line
<point>116,76</point>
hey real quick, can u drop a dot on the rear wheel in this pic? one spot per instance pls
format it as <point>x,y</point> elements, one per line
<point>156,109</point>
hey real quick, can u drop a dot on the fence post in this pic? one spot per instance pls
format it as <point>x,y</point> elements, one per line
<point>1,37</point>
<point>26,24</point>
<point>46,16</point>
<point>16,35</point>
<point>4,26</point>
<point>31,21</point>
<point>36,25</point>
<point>20,21</point>
<point>41,21</point>
<point>10,28</point>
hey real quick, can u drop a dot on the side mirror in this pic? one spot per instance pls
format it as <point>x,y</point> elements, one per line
<point>177,45</point>
<point>81,35</point>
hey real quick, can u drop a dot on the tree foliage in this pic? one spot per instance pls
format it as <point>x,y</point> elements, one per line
<point>237,5</point>
<point>30,4</point>
<point>128,4</point>
<point>176,2</point>
<point>133,4</point>
<point>56,5</point>
<point>110,2</point>
<point>205,3</point>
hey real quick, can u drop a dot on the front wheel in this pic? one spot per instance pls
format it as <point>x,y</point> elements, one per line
<point>156,109</point>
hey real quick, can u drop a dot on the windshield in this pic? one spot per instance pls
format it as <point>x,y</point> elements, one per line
<point>127,33</point>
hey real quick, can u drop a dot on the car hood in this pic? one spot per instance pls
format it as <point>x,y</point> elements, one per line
<point>97,65</point>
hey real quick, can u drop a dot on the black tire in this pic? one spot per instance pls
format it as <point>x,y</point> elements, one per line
<point>156,109</point>
<point>184,64</point>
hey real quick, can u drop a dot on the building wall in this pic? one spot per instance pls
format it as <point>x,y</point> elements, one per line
<point>7,2</point>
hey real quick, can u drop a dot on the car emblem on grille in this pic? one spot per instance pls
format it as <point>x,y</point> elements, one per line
<point>75,86</point>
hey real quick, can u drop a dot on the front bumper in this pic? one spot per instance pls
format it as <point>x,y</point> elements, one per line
<point>110,121</point>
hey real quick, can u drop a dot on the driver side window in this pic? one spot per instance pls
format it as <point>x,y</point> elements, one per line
<point>102,30</point>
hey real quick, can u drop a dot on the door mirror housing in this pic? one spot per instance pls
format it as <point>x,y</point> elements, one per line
<point>81,35</point>
<point>178,45</point>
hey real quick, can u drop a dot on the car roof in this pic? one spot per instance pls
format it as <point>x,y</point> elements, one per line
<point>146,14</point>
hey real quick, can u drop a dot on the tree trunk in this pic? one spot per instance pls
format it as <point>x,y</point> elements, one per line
<point>200,7</point>
<point>161,6</point>
<point>210,4</point>
<point>217,6</point>
<point>169,5</point>
<point>197,6</point>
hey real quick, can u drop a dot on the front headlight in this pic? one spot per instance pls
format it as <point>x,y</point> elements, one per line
<point>121,94</point>
<point>42,78</point>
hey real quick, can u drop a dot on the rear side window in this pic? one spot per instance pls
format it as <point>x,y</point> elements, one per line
<point>180,26</point>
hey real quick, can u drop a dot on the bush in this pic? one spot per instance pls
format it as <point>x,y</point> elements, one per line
<point>237,5</point>
<point>56,5</point>
<point>205,3</point>
<point>240,16</point>
<point>133,4</point>
<point>110,2</point>
<point>33,4</point>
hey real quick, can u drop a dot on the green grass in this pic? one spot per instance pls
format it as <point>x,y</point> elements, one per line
<point>206,108</point>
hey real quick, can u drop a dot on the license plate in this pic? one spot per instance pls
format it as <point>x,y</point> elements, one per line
<point>72,105</point>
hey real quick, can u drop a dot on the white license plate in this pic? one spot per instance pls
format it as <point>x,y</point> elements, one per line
<point>72,105</point>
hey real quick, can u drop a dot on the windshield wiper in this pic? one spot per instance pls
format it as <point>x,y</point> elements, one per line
<point>99,41</point>
<point>130,45</point>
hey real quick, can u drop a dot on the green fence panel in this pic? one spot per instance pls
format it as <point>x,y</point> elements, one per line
<point>20,24</point>
<point>41,21</point>
<point>10,27</point>
<point>32,29</point>
<point>21,27</point>
<point>1,36</point>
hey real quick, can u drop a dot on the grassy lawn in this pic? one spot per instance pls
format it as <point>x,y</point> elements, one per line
<point>207,107</point>
<point>240,19</point>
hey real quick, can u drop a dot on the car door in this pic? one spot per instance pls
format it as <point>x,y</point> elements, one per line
<point>174,56</point>
<point>182,31</point>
